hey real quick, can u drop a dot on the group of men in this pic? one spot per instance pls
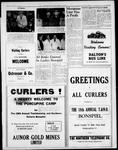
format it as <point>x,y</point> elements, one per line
<point>51,44</point>
<point>51,19</point>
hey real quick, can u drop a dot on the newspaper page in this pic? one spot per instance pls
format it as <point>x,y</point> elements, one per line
<point>58,75</point>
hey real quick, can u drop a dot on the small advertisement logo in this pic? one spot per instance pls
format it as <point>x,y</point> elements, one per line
<point>97,35</point>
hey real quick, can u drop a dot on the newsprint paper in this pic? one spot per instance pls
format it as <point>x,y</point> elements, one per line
<point>58,75</point>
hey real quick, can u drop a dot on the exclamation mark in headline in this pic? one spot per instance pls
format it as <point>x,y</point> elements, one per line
<point>59,91</point>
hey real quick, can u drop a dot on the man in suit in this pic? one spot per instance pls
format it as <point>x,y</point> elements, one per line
<point>47,43</point>
<point>21,22</point>
<point>55,43</point>
<point>40,43</point>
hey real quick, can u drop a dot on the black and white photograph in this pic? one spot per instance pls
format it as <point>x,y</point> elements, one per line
<point>50,17</point>
<point>20,21</point>
<point>51,41</point>
<point>58,73</point>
